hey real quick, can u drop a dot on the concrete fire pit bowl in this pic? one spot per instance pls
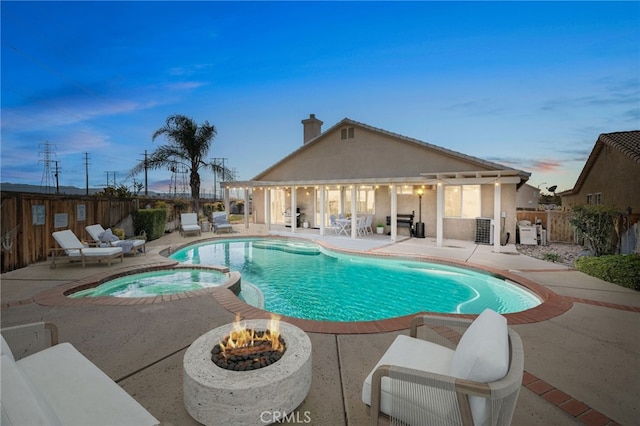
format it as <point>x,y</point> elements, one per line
<point>215,396</point>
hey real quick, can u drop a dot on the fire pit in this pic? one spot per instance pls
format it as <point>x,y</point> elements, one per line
<point>245,349</point>
<point>228,380</point>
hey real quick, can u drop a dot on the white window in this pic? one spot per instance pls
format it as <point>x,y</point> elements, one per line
<point>405,190</point>
<point>598,198</point>
<point>462,201</point>
<point>365,200</point>
<point>589,198</point>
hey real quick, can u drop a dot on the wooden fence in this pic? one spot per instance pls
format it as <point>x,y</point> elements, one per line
<point>557,223</point>
<point>29,219</point>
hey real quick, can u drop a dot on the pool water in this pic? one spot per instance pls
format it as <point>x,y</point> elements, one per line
<point>304,280</point>
<point>156,283</point>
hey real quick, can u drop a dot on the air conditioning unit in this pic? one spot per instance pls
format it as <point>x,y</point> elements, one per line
<point>484,230</point>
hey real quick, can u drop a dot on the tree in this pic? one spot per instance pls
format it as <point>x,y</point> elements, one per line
<point>189,145</point>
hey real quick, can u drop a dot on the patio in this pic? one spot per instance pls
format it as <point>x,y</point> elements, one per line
<point>582,365</point>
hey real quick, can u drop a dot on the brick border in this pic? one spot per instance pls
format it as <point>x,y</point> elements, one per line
<point>576,409</point>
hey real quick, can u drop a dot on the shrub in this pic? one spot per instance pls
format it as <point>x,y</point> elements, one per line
<point>596,225</point>
<point>151,221</point>
<point>621,269</point>
<point>552,257</point>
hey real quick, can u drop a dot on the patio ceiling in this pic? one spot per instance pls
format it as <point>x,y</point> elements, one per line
<point>453,178</point>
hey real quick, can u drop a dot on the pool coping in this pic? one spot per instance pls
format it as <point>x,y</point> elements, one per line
<point>552,304</point>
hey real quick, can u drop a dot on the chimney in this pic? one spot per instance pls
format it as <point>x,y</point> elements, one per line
<point>312,128</point>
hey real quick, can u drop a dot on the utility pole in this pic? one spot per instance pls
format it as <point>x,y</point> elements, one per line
<point>57,173</point>
<point>86,168</point>
<point>146,167</point>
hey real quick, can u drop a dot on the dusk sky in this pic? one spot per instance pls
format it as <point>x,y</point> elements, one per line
<point>527,85</point>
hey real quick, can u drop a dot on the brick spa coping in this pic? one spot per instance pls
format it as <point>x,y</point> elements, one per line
<point>552,304</point>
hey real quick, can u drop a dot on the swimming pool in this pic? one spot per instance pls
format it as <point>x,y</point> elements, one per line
<point>303,280</point>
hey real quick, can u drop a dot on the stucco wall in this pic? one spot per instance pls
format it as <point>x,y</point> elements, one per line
<point>367,155</point>
<point>613,175</point>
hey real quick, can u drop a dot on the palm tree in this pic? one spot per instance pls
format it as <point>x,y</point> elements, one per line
<point>189,145</point>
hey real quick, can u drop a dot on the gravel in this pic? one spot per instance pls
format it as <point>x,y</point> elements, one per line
<point>564,253</point>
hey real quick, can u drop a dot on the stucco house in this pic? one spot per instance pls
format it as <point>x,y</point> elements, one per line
<point>527,197</point>
<point>611,175</point>
<point>354,168</point>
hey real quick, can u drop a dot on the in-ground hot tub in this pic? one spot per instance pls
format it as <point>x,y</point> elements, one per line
<point>214,395</point>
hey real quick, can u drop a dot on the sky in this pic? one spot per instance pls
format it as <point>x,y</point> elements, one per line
<point>529,85</point>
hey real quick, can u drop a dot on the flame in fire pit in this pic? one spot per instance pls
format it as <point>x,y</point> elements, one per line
<point>244,340</point>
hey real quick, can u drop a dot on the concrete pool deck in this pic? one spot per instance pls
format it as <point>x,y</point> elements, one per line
<point>582,364</point>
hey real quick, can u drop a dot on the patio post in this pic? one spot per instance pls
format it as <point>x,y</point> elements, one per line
<point>267,207</point>
<point>226,200</point>
<point>439,214</point>
<point>394,213</point>
<point>294,211</point>
<point>497,192</point>
<point>354,213</point>
<point>246,207</point>
<point>322,207</point>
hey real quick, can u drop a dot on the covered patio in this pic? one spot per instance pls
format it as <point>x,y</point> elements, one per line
<point>377,197</point>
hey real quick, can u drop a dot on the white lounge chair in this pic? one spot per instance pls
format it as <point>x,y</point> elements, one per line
<point>103,238</point>
<point>477,382</point>
<point>189,224</point>
<point>72,248</point>
<point>46,383</point>
<point>220,222</point>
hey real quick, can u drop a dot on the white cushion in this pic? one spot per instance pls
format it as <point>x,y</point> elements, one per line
<point>95,231</point>
<point>483,352</point>
<point>5,349</point>
<point>482,356</point>
<point>22,404</point>
<point>188,219</point>
<point>413,353</point>
<point>79,392</point>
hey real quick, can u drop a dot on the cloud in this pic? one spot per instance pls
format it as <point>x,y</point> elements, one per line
<point>63,112</point>
<point>190,69</point>
<point>186,85</point>
<point>529,164</point>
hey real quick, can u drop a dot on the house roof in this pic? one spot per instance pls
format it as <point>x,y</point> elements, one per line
<point>626,143</point>
<point>348,122</point>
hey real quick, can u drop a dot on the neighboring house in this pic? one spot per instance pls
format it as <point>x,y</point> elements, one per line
<point>611,175</point>
<point>527,197</point>
<point>356,168</point>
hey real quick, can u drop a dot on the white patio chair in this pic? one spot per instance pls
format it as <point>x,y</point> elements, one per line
<point>334,225</point>
<point>72,248</point>
<point>189,224</point>
<point>368,223</point>
<point>419,382</point>
<point>49,383</point>
<point>103,237</point>
<point>362,227</point>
